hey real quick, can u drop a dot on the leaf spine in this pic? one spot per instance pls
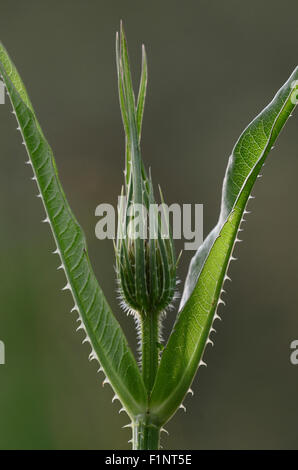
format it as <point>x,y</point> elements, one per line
<point>115,397</point>
<point>129,425</point>
<point>67,287</point>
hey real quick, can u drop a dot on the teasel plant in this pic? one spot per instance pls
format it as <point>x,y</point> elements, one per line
<point>152,389</point>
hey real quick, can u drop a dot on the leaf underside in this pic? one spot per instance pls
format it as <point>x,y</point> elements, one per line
<point>108,342</point>
<point>208,268</point>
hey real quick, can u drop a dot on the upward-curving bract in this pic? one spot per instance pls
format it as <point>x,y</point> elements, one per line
<point>208,268</point>
<point>108,343</point>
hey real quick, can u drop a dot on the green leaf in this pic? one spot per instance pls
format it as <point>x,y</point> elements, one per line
<point>208,268</point>
<point>109,345</point>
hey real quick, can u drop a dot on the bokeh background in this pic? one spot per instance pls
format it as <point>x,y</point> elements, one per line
<point>213,65</point>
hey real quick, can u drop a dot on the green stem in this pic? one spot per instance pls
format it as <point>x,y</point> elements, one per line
<point>145,434</point>
<point>150,350</point>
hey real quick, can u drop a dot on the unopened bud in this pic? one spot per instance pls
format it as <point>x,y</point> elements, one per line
<point>145,259</point>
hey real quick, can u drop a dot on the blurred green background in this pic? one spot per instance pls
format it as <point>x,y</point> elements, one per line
<point>213,65</point>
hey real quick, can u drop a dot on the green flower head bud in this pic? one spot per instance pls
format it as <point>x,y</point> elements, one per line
<point>145,259</point>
